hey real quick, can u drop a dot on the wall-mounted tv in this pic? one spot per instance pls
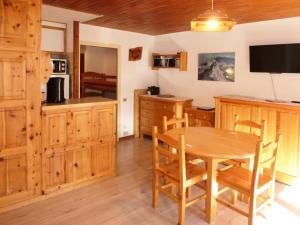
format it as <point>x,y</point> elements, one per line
<point>282,58</point>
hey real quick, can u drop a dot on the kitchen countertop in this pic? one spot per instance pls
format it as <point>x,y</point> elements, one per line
<point>73,103</point>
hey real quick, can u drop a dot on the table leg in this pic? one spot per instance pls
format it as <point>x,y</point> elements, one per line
<point>212,191</point>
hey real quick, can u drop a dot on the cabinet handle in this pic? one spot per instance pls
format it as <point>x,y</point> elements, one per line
<point>76,165</point>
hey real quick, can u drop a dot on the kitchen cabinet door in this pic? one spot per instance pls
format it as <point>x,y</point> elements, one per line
<point>12,76</point>
<point>54,126</point>
<point>104,123</point>
<point>53,169</point>
<point>13,148</point>
<point>78,163</point>
<point>80,129</point>
<point>103,158</point>
<point>19,24</point>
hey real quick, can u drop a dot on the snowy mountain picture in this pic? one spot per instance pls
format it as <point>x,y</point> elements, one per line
<point>216,66</point>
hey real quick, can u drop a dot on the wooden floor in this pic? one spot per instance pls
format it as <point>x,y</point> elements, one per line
<point>126,199</point>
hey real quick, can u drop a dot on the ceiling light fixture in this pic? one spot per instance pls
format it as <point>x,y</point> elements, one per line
<point>212,20</point>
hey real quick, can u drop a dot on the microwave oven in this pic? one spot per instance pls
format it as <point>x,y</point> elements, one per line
<point>59,66</point>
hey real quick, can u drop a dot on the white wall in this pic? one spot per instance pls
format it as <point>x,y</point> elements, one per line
<point>132,74</point>
<point>100,60</point>
<point>61,15</point>
<point>238,40</point>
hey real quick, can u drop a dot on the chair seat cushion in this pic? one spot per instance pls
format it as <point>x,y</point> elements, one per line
<point>194,174</point>
<point>239,179</point>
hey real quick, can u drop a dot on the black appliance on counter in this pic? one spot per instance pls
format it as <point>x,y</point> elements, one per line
<point>153,90</point>
<point>55,90</point>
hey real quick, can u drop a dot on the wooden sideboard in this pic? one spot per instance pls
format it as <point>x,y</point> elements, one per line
<point>153,108</point>
<point>200,117</point>
<point>78,142</point>
<point>283,118</point>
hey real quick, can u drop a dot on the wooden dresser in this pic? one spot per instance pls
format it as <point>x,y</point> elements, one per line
<point>200,117</point>
<point>78,142</point>
<point>153,108</point>
<point>283,118</point>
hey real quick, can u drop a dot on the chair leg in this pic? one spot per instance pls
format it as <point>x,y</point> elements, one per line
<point>234,197</point>
<point>188,192</point>
<point>155,191</point>
<point>252,210</point>
<point>181,206</point>
<point>271,193</point>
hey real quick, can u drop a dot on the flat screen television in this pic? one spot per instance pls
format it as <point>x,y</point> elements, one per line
<point>282,58</point>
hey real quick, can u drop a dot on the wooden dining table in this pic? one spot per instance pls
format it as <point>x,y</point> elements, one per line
<point>214,146</point>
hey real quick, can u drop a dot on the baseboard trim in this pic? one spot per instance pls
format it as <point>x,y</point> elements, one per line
<point>126,138</point>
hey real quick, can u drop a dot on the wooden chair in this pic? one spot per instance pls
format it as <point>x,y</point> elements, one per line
<point>177,123</point>
<point>176,171</point>
<point>251,127</point>
<point>253,184</point>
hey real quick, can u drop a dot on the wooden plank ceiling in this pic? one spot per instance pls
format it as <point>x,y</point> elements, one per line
<point>167,16</point>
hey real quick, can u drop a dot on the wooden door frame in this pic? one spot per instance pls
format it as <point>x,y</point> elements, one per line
<point>118,48</point>
<point>76,60</point>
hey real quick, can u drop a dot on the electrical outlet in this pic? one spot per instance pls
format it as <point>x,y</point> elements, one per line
<point>124,99</point>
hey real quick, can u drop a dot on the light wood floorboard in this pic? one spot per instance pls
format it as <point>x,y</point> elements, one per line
<point>126,200</point>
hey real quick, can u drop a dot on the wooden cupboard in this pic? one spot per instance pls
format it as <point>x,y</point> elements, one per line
<point>170,61</point>
<point>283,118</point>
<point>79,143</point>
<point>19,25</point>
<point>200,117</point>
<point>153,109</point>
<point>19,100</point>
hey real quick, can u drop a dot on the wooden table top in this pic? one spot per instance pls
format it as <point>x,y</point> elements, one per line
<point>217,143</point>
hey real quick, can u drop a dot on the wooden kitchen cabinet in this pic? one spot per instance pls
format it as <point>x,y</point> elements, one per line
<point>153,109</point>
<point>283,118</point>
<point>79,143</point>
<point>20,121</point>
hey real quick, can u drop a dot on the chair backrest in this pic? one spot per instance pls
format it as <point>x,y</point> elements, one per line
<point>252,126</point>
<point>265,161</point>
<point>175,123</point>
<point>161,145</point>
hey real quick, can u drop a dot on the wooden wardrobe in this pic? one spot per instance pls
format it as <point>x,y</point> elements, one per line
<point>20,100</point>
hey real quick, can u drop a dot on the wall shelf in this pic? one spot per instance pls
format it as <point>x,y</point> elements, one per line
<point>170,61</point>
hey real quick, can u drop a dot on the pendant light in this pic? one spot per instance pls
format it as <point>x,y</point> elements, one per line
<point>212,20</point>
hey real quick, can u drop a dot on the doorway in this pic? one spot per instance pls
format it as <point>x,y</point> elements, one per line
<point>98,71</point>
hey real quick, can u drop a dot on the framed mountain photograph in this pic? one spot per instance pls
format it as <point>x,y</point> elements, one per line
<point>216,66</point>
